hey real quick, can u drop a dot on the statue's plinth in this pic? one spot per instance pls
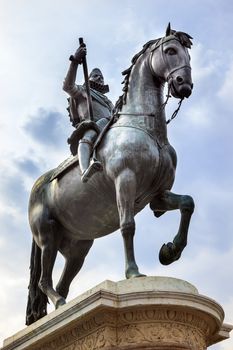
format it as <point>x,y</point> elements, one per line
<point>145,313</point>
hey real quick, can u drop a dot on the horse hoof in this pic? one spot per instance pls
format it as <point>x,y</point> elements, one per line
<point>133,273</point>
<point>60,302</point>
<point>168,254</point>
<point>138,275</point>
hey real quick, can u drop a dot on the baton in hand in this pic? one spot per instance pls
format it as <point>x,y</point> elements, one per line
<point>85,72</point>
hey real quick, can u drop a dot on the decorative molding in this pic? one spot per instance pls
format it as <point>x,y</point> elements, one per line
<point>132,327</point>
<point>160,326</point>
<point>162,333</point>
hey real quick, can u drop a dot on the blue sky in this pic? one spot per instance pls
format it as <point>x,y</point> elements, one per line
<point>36,40</point>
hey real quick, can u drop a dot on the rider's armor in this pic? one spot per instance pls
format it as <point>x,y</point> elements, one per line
<point>83,138</point>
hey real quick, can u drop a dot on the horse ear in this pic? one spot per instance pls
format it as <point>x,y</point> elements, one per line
<point>168,30</point>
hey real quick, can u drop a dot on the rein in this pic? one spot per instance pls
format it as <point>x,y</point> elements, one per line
<point>174,114</point>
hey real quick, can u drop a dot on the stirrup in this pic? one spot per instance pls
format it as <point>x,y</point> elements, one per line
<point>91,170</point>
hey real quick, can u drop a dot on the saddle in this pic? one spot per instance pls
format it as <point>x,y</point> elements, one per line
<point>73,161</point>
<point>64,167</point>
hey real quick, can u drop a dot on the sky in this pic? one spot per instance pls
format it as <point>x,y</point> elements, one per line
<point>36,40</point>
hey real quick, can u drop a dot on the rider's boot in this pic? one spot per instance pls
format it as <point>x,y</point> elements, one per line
<point>88,168</point>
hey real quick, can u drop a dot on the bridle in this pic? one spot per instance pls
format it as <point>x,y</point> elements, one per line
<point>166,62</point>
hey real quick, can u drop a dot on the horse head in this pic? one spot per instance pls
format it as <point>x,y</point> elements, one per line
<point>170,62</point>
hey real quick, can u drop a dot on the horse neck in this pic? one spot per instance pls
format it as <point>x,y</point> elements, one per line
<point>144,97</point>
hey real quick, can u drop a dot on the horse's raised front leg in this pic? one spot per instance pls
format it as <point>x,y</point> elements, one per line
<point>125,192</point>
<point>171,251</point>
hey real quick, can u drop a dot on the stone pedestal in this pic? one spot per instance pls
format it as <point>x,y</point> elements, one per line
<point>146,313</point>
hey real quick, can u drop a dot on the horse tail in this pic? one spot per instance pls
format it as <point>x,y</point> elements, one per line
<point>37,300</point>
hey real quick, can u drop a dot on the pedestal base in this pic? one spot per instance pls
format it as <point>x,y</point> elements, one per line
<point>145,313</point>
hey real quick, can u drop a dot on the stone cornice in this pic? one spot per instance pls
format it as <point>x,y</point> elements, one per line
<point>127,308</point>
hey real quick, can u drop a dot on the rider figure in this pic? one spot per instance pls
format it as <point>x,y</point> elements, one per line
<point>86,131</point>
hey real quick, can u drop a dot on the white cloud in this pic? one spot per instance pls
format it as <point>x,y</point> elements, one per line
<point>226,91</point>
<point>199,114</point>
<point>205,62</point>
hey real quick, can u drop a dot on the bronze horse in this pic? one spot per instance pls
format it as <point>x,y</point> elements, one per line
<point>66,215</point>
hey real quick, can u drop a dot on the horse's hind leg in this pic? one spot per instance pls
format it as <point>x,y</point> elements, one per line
<point>171,251</point>
<point>74,253</point>
<point>125,192</point>
<point>48,236</point>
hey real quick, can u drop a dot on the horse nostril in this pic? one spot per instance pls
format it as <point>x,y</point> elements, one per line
<point>179,80</point>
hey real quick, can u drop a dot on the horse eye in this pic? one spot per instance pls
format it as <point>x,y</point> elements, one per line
<point>170,51</point>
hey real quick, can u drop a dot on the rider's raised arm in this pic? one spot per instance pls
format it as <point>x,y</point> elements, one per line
<point>69,85</point>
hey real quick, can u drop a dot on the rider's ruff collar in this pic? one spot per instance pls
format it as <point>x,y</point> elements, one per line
<point>98,87</point>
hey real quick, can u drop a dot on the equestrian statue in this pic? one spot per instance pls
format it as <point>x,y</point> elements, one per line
<point>121,161</point>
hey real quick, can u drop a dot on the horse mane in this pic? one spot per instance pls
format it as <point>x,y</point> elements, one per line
<point>122,99</point>
<point>185,40</point>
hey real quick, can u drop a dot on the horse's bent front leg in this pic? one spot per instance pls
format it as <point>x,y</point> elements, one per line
<point>171,251</point>
<point>125,192</point>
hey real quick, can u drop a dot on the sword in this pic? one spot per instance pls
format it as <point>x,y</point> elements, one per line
<point>87,84</point>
